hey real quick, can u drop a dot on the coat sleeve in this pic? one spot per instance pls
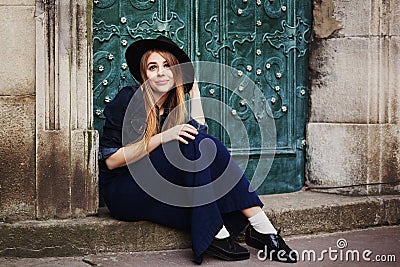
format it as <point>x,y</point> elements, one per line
<point>203,128</point>
<point>111,140</point>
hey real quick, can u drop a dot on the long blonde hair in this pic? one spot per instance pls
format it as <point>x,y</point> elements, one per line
<point>175,97</point>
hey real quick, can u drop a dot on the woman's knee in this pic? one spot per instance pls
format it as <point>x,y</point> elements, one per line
<point>208,142</point>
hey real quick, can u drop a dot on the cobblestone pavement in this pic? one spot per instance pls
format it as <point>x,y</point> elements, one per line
<point>369,247</point>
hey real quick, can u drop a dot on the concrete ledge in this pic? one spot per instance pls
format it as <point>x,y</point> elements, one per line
<point>308,212</point>
<point>297,213</point>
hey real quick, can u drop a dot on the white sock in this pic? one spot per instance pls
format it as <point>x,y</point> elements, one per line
<point>223,233</point>
<point>262,224</point>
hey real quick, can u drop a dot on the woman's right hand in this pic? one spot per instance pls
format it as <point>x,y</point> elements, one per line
<point>179,132</point>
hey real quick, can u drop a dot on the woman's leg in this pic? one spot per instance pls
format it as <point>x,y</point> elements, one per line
<point>127,201</point>
<point>250,212</point>
<point>220,208</point>
<point>262,235</point>
<point>259,220</point>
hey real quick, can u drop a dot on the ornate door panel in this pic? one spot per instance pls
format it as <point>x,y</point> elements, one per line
<point>266,40</point>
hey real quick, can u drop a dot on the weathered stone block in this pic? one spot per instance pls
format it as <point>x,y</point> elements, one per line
<point>340,81</point>
<point>325,23</point>
<point>390,210</point>
<point>338,154</point>
<point>394,74</point>
<point>66,174</point>
<point>371,18</point>
<point>353,154</point>
<point>17,153</point>
<point>390,147</point>
<point>17,2</point>
<point>17,27</point>
<point>383,166</point>
<point>84,181</point>
<point>394,17</point>
<point>354,16</point>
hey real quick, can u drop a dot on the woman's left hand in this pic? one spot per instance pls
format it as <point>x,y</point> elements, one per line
<point>179,132</point>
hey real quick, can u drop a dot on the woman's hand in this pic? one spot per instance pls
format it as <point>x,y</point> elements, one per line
<point>178,132</point>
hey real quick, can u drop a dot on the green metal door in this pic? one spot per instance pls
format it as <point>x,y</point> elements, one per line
<point>267,40</point>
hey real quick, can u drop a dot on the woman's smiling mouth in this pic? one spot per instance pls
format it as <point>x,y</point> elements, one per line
<point>161,82</point>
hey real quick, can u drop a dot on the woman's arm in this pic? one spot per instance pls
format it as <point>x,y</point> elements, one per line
<point>134,152</point>
<point>196,109</point>
<point>131,153</point>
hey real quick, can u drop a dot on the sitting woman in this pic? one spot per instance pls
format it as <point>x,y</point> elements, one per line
<point>152,121</point>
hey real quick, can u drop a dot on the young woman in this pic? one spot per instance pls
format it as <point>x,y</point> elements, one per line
<point>133,150</point>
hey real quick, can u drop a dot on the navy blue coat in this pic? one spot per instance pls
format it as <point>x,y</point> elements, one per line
<point>127,201</point>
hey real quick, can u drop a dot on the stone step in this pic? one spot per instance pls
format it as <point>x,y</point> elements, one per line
<point>296,213</point>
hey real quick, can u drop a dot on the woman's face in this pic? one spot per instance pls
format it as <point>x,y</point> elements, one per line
<point>159,73</point>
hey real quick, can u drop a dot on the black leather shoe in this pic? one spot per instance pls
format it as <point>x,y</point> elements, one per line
<point>228,249</point>
<point>272,244</point>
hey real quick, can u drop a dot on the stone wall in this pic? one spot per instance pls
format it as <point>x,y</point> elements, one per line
<point>353,132</point>
<point>48,157</point>
<point>17,102</point>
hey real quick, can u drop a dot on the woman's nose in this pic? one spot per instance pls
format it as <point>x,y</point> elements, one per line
<point>161,71</point>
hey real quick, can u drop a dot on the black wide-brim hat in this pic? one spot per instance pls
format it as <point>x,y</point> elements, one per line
<point>136,50</point>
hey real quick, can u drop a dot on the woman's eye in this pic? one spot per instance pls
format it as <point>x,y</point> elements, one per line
<point>152,67</point>
<point>166,66</point>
